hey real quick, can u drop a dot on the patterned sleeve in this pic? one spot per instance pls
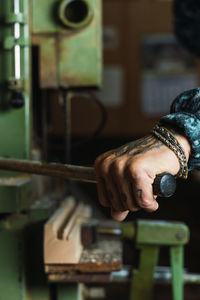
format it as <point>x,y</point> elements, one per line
<point>185,117</point>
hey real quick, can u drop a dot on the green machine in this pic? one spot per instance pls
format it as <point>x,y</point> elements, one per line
<point>67,34</point>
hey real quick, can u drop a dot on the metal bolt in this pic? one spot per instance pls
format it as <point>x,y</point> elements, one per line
<point>75,14</point>
<point>180,235</point>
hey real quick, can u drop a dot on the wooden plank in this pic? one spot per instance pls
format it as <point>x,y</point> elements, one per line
<point>62,233</point>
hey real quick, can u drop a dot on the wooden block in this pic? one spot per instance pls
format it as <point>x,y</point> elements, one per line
<point>62,233</point>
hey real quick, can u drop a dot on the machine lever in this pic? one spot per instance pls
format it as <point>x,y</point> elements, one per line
<point>164,184</point>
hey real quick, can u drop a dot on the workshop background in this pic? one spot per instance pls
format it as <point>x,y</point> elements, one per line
<point>144,69</point>
<point>131,31</point>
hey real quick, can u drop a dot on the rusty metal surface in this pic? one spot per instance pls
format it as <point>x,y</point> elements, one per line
<point>76,277</point>
<point>67,57</point>
<point>51,169</point>
<point>47,60</point>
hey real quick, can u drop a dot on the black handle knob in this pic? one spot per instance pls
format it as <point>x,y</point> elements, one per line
<point>164,185</point>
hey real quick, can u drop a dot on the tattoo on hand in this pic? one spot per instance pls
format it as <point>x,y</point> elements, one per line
<point>138,147</point>
<point>139,192</point>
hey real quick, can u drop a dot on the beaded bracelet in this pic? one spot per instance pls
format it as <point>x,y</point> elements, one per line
<point>167,137</point>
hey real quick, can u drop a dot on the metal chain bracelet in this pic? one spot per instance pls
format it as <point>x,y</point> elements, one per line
<point>168,138</point>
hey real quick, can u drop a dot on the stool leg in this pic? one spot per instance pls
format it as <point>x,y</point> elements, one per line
<point>142,282</point>
<point>176,257</point>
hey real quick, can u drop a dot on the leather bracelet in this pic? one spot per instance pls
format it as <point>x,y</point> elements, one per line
<point>168,138</point>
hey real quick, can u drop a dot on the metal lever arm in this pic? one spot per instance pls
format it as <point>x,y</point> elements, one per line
<point>164,184</point>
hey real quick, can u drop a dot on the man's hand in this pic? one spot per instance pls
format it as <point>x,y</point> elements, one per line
<point>125,175</point>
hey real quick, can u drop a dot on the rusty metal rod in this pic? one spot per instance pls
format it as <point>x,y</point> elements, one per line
<point>64,171</point>
<point>164,184</point>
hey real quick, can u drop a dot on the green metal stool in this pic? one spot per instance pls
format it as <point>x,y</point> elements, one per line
<point>149,237</point>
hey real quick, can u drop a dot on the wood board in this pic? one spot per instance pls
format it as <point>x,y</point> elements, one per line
<point>62,233</point>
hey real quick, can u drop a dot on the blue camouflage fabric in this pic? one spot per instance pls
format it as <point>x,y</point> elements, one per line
<point>185,118</point>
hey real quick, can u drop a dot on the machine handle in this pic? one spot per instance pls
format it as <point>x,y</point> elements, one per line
<point>164,184</point>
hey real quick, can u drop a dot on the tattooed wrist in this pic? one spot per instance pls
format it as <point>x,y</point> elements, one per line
<point>139,146</point>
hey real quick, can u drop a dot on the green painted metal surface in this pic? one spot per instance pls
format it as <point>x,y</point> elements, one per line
<point>128,230</point>
<point>12,267</point>
<point>177,263</point>
<point>15,133</point>
<point>80,60</point>
<point>68,292</point>
<point>78,51</point>
<point>78,57</point>
<point>150,236</point>
<point>43,19</point>
<point>15,140</point>
<point>161,233</point>
<point>22,275</point>
<point>16,195</point>
<point>46,15</point>
<point>15,124</point>
<point>142,281</point>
